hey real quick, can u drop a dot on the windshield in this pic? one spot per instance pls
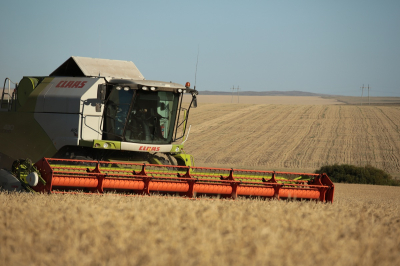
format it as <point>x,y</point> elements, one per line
<point>141,116</point>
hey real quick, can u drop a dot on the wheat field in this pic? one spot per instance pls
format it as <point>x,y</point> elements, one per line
<point>295,137</point>
<point>361,227</point>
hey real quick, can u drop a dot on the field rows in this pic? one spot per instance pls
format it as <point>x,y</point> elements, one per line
<point>276,137</point>
<point>361,227</point>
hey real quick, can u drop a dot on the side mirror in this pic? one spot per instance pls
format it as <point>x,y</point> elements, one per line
<point>101,96</point>
<point>101,92</point>
<point>194,101</point>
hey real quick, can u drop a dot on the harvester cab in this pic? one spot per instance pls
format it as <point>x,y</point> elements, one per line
<point>145,116</point>
<point>96,125</point>
<point>140,113</point>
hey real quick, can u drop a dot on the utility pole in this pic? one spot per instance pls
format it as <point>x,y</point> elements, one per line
<point>238,93</point>
<point>362,92</point>
<point>233,90</point>
<point>368,96</point>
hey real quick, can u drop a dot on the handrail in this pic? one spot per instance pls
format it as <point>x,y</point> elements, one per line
<point>9,94</point>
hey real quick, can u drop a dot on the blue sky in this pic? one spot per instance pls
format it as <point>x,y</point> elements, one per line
<point>321,46</point>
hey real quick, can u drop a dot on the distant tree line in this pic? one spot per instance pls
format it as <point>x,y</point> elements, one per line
<point>345,173</point>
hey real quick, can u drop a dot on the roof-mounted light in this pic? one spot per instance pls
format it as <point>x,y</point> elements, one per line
<point>187,85</point>
<point>145,88</point>
<point>153,88</point>
<point>126,88</point>
<point>179,90</point>
<point>118,88</point>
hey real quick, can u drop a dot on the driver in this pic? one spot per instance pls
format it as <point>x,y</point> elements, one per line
<point>147,119</point>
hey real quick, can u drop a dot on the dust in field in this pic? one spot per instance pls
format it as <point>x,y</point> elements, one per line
<point>272,136</point>
<point>117,230</point>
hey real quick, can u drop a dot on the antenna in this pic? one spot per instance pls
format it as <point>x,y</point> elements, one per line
<point>195,73</point>
<point>99,42</point>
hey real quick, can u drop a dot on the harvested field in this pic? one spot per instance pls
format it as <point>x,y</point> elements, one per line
<point>295,137</point>
<point>298,100</point>
<point>365,101</point>
<point>361,227</point>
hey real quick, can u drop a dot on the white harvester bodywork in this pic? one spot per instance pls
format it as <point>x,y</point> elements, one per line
<point>68,114</point>
<point>90,104</point>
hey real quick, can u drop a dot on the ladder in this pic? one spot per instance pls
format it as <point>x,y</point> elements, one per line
<point>8,101</point>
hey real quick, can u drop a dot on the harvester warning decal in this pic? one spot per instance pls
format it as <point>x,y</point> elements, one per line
<point>71,84</point>
<point>147,148</point>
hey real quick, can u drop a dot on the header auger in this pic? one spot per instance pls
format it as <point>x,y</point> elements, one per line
<point>97,126</point>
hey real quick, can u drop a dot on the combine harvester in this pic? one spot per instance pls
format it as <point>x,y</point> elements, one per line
<point>96,125</point>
